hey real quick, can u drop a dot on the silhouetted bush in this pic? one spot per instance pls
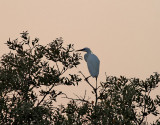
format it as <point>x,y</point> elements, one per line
<point>30,73</point>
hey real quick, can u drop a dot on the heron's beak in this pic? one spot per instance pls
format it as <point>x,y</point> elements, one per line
<point>80,50</point>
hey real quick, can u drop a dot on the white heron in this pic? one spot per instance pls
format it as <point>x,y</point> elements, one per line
<point>93,67</point>
<point>92,62</point>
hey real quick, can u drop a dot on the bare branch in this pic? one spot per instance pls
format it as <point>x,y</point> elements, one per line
<point>87,80</point>
<point>94,89</point>
<point>78,99</point>
<point>57,67</point>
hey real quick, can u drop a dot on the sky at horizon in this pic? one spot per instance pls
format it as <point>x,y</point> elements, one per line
<point>124,34</point>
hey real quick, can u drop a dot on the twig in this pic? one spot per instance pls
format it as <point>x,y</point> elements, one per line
<point>45,96</point>
<point>63,70</point>
<point>57,67</point>
<point>95,89</point>
<point>84,95</point>
<point>87,81</point>
<point>78,99</point>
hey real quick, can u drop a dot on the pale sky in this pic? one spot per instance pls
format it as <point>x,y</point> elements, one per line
<point>124,34</point>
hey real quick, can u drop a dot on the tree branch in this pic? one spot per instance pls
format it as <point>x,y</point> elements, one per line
<point>50,89</point>
<point>44,96</point>
<point>57,67</point>
<point>94,89</point>
<point>87,80</point>
<point>78,98</point>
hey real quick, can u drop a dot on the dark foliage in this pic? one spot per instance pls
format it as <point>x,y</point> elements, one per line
<point>25,70</point>
<point>121,101</point>
<point>31,67</point>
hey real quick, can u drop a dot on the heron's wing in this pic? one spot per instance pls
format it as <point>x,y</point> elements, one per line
<point>93,65</point>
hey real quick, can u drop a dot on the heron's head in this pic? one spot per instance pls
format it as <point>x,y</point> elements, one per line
<point>86,49</point>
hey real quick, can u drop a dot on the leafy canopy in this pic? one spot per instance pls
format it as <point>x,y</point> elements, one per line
<point>30,72</point>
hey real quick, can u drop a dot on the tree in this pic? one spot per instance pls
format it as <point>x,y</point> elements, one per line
<point>121,101</point>
<point>27,68</point>
<point>30,73</point>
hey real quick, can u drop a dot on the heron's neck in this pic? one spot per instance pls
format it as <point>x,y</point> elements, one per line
<point>86,56</point>
<point>88,51</point>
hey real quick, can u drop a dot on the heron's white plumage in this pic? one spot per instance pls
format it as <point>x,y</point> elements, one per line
<point>93,65</point>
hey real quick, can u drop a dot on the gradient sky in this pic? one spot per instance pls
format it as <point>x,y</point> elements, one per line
<point>124,34</point>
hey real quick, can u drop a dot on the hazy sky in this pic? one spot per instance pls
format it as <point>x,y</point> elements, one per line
<point>124,34</point>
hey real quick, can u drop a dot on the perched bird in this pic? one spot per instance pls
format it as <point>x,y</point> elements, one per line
<point>93,67</point>
<point>92,62</point>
